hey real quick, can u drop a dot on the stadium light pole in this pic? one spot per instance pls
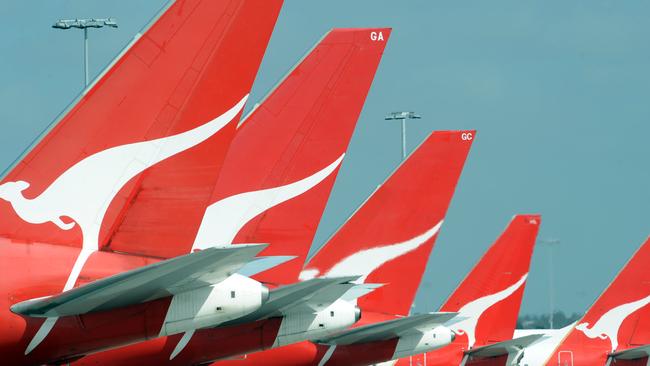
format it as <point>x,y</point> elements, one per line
<point>402,116</point>
<point>551,243</point>
<point>85,24</point>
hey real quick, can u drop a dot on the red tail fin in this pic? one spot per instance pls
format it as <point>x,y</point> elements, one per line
<point>618,320</point>
<point>300,134</point>
<point>195,63</point>
<point>488,299</point>
<point>388,240</point>
<point>490,296</point>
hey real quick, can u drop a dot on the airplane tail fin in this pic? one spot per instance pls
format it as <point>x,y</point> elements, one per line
<point>618,320</point>
<point>389,239</point>
<point>490,296</point>
<point>283,162</point>
<point>488,299</point>
<point>85,180</point>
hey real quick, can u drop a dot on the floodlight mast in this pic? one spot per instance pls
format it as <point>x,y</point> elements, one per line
<point>403,116</point>
<point>85,24</point>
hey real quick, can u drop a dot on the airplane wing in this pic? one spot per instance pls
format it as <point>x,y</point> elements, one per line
<point>632,353</point>
<point>388,329</point>
<point>147,283</point>
<point>503,348</point>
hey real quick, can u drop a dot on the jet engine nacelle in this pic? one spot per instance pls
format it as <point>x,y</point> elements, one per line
<point>306,325</point>
<point>423,341</point>
<point>212,305</point>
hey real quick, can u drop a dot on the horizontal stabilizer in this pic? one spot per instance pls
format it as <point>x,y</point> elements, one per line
<point>360,291</point>
<point>261,264</point>
<point>147,283</point>
<point>388,329</point>
<point>632,353</point>
<point>503,348</point>
<point>322,299</point>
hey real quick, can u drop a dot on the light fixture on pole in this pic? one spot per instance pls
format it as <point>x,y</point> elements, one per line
<point>85,24</point>
<point>402,116</point>
<point>551,243</point>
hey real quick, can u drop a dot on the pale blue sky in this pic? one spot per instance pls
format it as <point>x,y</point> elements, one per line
<point>559,92</point>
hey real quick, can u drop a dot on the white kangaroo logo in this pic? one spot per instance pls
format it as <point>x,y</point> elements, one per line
<point>608,324</point>
<point>84,191</point>
<point>223,219</point>
<point>472,311</point>
<point>366,261</point>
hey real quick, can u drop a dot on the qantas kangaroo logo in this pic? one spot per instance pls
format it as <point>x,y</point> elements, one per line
<point>364,262</point>
<point>84,191</point>
<point>223,219</point>
<point>472,311</point>
<point>608,324</point>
